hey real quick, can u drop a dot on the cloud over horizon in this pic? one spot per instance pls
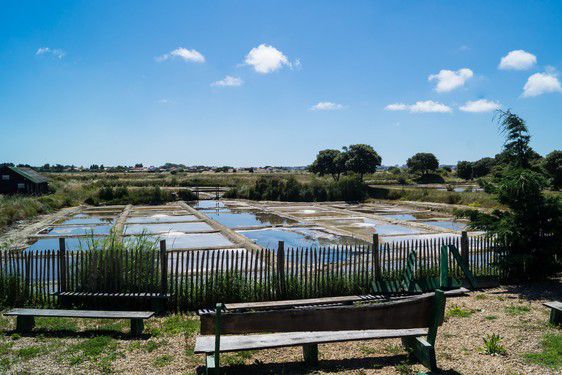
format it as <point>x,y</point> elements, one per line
<point>448,80</point>
<point>56,52</point>
<point>326,106</point>
<point>541,83</point>
<point>517,60</point>
<point>426,106</point>
<point>267,59</point>
<point>228,81</point>
<point>183,54</point>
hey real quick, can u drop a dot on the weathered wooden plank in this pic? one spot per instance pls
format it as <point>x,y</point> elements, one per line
<point>298,302</point>
<point>206,344</point>
<point>96,314</point>
<point>414,312</point>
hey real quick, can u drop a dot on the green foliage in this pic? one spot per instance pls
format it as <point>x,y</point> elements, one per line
<point>531,228</point>
<point>422,163</point>
<point>360,159</point>
<point>163,360</point>
<point>551,352</point>
<point>492,345</point>
<point>517,309</point>
<point>347,188</point>
<point>482,167</point>
<point>458,312</point>
<point>109,195</point>
<point>329,162</point>
<point>464,170</point>
<point>553,166</point>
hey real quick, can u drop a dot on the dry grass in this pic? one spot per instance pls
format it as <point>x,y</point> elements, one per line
<point>82,346</point>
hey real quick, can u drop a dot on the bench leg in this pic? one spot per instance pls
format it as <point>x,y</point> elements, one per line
<point>555,317</point>
<point>25,323</point>
<point>310,353</point>
<point>422,350</point>
<point>137,326</point>
<point>211,365</point>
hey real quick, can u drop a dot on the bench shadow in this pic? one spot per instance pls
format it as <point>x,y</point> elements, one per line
<point>89,333</point>
<point>328,366</point>
<point>549,290</point>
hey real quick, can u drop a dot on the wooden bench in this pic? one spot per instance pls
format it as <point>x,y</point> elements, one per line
<point>555,311</point>
<point>409,319</point>
<point>157,301</point>
<point>25,318</point>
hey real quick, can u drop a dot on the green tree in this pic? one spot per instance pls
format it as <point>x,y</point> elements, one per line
<point>361,159</point>
<point>482,167</point>
<point>553,166</point>
<point>531,226</point>
<point>464,170</point>
<point>423,163</point>
<point>329,162</point>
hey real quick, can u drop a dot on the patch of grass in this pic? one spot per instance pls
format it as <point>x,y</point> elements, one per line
<point>404,368</point>
<point>238,358</point>
<point>175,325</point>
<point>30,352</point>
<point>99,349</point>
<point>393,349</point>
<point>481,296</point>
<point>114,325</point>
<point>5,364</point>
<point>151,346</point>
<point>458,312</point>
<point>367,350</point>
<point>551,354</point>
<point>56,324</point>
<point>492,345</point>
<point>490,317</point>
<point>163,360</point>
<point>5,348</point>
<point>517,309</point>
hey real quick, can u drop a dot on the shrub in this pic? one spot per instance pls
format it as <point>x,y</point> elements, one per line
<point>492,345</point>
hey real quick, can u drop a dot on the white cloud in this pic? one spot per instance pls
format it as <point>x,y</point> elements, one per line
<point>266,59</point>
<point>58,53</point>
<point>163,101</point>
<point>326,106</point>
<point>228,81</point>
<point>518,60</point>
<point>427,106</point>
<point>478,106</point>
<point>448,80</point>
<point>184,54</point>
<point>541,83</point>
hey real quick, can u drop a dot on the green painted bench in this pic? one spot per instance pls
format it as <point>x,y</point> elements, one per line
<point>25,318</point>
<point>415,320</point>
<point>555,311</point>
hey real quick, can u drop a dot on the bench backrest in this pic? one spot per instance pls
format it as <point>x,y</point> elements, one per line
<point>423,311</point>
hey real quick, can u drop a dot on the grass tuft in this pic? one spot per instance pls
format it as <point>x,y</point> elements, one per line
<point>551,354</point>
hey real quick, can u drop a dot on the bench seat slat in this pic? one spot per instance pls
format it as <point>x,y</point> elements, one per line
<point>229,343</point>
<point>95,314</point>
<point>112,295</point>
<point>554,305</point>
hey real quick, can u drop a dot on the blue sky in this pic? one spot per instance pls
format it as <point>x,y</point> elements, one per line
<point>273,82</point>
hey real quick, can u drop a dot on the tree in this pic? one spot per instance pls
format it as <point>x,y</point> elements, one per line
<point>329,162</point>
<point>531,226</point>
<point>361,159</point>
<point>553,166</point>
<point>482,167</point>
<point>423,163</point>
<point>464,170</point>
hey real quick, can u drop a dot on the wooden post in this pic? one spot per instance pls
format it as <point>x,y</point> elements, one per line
<point>376,256</point>
<point>281,268</point>
<point>464,247</point>
<point>444,267</point>
<point>62,265</point>
<point>163,268</point>
<point>310,354</point>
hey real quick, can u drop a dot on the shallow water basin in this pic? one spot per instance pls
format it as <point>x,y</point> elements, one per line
<point>161,218</point>
<point>167,227</point>
<point>244,219</point>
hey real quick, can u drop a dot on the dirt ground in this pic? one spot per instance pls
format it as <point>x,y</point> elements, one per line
<point>85,347</point>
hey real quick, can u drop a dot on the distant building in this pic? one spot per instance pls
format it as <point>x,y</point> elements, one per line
<point>22,180</point>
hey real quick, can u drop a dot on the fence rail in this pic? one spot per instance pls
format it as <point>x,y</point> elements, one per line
<point>198,278</point>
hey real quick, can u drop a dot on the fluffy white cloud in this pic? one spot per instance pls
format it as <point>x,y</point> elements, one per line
<point>326,106</point>
<point>228,81</point>
<point>184,54</point>
<point>426,106</point>
<point>448,80</point>
<point>541,83</point>
<point>58,53</point>
<point>517,60</point>
<point>481,105</point>
<point>266,59</point>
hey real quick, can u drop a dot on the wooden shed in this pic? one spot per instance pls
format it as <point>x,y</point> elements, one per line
<point>21,180</point>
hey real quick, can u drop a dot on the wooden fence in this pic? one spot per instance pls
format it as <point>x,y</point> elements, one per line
<point>195,279</point>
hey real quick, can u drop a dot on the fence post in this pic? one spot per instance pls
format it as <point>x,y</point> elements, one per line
<point>62,265</point>
<point>464,247</point>
<point>376,259</point>
<point>444,267</point>
<point>281,268</point>
<point>163,268</point>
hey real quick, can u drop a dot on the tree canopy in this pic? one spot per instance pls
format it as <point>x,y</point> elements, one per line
<point>423,162</point>
<point>329,162</point>
<point>553,167</point>
<point>359,158</point>
<point>464,170</point>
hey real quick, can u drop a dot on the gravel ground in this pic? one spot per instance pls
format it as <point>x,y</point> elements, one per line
<point>78,346</point>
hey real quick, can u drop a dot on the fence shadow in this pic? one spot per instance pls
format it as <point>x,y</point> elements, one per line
<point>549,290</point>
